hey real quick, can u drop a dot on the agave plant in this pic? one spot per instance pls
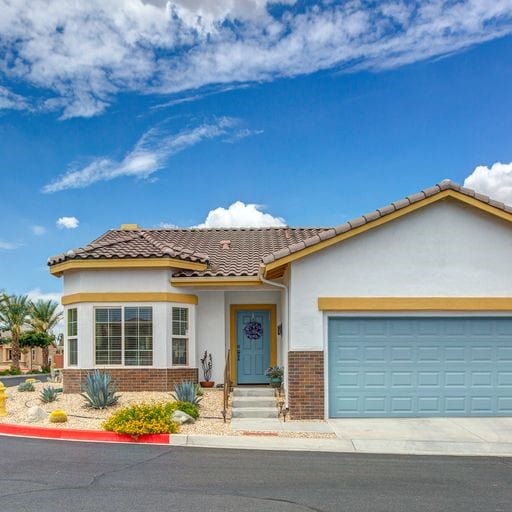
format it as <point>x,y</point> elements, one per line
<point>99,391</point>
<point>26,386</point>
<point>48,394</point>
<point>186,391</point>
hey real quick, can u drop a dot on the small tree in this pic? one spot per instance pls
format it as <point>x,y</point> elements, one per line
<point>14,315</point>
<point>44,317</point>
<point>34,339</point>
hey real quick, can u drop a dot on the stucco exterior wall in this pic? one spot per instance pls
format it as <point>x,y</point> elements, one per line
<point>118,280</point>
<point>445,249</point>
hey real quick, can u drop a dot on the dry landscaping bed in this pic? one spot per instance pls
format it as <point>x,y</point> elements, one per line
<point>82,417</point>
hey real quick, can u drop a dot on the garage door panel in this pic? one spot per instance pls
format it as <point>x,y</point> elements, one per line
<point>421,367</point>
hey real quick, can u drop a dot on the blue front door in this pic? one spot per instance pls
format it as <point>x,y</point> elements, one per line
<point>253,346</point>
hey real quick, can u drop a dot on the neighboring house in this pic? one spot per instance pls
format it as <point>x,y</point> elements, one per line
<point>405,311</point>
<point>31,358</point>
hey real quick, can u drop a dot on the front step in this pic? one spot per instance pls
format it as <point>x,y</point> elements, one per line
<point>260,392</point>
<point>253,401</point>
<point>254,412</point>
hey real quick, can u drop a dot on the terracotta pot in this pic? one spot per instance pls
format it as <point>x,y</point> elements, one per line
<point>207,384</point>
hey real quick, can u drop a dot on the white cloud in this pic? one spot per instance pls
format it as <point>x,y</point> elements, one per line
<point>166,225</point>
<point>240,215</point>
<point>67,223</point>
<point>494,181</point>
<point>85,53</point>
<point>8,246</point>
<point>9,100</point>
<point>148,156</point>
<point>38,230</point>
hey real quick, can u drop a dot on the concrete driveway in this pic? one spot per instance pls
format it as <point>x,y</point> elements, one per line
<point>454,436</point>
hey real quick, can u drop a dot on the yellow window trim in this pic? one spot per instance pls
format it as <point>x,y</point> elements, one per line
<point>415,303</point>
<point>232,332</point>
<point>453,194</point>
<point>76,298</point>
<point>216,281</point>
<point>60,268</point>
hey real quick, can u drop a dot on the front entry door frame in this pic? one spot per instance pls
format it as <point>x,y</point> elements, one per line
<point>234,308</point>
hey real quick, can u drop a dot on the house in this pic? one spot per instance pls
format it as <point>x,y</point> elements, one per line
<point>405,311</point>
<point>31,358</point>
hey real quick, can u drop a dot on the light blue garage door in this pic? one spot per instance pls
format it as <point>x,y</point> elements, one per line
<point>392,367</point>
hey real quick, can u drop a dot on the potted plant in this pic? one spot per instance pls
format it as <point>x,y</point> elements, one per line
<point>207,365</point>
<point>275,376</point>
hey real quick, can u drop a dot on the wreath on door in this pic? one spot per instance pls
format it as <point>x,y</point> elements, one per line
<point>253,330</point>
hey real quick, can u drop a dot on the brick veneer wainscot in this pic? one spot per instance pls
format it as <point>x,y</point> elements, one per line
<point>306,385</point>
<point>133,379</point>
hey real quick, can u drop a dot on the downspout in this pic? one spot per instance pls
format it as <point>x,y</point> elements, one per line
<point>286,322</point>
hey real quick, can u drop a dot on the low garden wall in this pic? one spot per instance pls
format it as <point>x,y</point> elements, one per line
<point>133,379</point>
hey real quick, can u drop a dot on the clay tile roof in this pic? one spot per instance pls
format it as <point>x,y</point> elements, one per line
<point>382,212</point>
<point>242,258</point>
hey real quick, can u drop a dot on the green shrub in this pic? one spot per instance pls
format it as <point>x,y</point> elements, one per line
<point>186,392</point>
<point>58,416</point>
<point>26,386</point>
<point>48,394</point>
<point>99,391</point>
<point>144,418</point>
<point>11,371</point>
<point>190,409</point>
<point>199,390</point>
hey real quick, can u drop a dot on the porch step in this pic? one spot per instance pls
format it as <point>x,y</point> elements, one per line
<point>253,401</point>
<point>260,392</point>
<point>254,412</point>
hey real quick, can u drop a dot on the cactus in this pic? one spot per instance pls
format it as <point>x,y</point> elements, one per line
<point>186,391</point>
<point>26,386</point>
<point>58,416</point>
<point>99,391</point>
<point>48,394</point>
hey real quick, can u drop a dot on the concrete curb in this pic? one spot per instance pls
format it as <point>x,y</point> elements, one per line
<point>24,376</point>
<point>261,442</point>
<point>381,447</point>
<point>91,436</point>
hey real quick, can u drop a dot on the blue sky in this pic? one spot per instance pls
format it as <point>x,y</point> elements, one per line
<point>315,111</point>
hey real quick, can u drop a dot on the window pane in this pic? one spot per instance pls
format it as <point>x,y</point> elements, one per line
<point>72,352</point>
<point>179,321</point>
<point>138,332</point>
<point>108,331</point>
<point>72,322</point>
<point>179,351</point>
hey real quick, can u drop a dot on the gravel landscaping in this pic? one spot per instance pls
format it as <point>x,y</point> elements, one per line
<point>82,417</point>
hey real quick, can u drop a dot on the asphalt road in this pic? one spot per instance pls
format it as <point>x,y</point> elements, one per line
<point>14,381</point>
<point>53,476</point>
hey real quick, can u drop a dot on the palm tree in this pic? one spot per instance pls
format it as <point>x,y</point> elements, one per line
<point>43,318</point>
<point>14,315</point>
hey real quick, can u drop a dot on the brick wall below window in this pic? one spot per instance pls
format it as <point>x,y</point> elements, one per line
<point>133,379</point>
<point>306,385</point>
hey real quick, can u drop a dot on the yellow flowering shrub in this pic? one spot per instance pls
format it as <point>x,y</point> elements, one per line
<point>144,418</point>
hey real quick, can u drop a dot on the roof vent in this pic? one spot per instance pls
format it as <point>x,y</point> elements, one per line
<point>129,227</point>
<point>225,245</point>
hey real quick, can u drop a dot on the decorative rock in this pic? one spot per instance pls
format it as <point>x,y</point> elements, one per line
<point>36,413</point>
<point>182,417</point>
